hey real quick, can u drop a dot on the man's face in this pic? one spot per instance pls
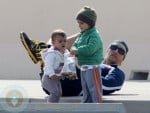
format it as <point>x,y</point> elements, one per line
<point>115,54</point>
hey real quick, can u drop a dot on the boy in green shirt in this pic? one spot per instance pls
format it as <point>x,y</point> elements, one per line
<point>88,48</point>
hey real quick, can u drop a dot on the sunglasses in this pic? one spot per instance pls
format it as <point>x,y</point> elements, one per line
<point>120,50</point>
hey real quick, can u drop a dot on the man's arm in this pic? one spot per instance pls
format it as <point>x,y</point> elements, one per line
<point>113,80</point>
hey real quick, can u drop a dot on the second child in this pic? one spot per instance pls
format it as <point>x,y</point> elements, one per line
<point>54,60</point>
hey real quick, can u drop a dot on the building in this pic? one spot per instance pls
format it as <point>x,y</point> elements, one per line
<point>117,19</point>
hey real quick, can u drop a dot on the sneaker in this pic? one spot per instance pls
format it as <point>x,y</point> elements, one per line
<point>33,47</point>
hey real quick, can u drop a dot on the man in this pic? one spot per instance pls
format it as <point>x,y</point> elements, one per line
<point>112,77</point>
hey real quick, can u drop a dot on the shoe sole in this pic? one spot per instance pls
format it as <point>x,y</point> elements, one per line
<point>24,39</point>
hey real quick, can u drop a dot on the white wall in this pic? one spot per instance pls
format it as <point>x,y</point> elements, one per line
<point>117,19</point>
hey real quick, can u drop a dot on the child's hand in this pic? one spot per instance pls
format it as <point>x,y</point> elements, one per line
<point>54,77</point>
<point>74,52</point>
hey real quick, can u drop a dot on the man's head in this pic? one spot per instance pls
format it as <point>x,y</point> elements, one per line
<point>116,52</point>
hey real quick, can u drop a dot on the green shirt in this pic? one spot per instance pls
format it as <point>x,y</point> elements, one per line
<point>90,47</point>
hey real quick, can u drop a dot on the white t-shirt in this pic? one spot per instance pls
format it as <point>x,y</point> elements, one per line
<point>53,61</point>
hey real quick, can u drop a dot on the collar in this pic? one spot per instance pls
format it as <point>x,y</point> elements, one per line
<point>88,31</point>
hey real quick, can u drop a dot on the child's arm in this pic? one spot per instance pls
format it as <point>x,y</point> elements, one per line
<point>70,41</point>
<point>49,65</point>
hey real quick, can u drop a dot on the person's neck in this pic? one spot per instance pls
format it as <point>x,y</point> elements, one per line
<point>61,51</point>
<point>110,63</point>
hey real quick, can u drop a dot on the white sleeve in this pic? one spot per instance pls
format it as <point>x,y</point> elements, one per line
<point>49,64</point>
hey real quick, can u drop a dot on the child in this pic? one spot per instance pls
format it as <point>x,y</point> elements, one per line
<point>88,48</point>
<point>34,47</point>
<point>54,60</point>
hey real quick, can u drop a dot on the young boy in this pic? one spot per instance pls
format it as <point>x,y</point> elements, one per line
<point>88,48</point>
<point>53,63</point>
<point>34,47</point>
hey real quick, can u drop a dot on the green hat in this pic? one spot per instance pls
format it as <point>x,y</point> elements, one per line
<point>87,15</point>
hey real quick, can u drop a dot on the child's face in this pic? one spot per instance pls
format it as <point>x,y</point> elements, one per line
<point>59,42</point>
<point>82,25</point>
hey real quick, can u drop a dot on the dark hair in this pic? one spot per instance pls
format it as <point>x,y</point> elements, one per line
<point>58,32</point>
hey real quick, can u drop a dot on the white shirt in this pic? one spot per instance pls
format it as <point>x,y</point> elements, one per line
<point>53,61</point>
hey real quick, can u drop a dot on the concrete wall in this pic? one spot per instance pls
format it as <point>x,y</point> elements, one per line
<point>117,19</point>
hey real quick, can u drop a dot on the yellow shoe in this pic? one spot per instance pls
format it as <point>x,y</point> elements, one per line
<point>33,47</point>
